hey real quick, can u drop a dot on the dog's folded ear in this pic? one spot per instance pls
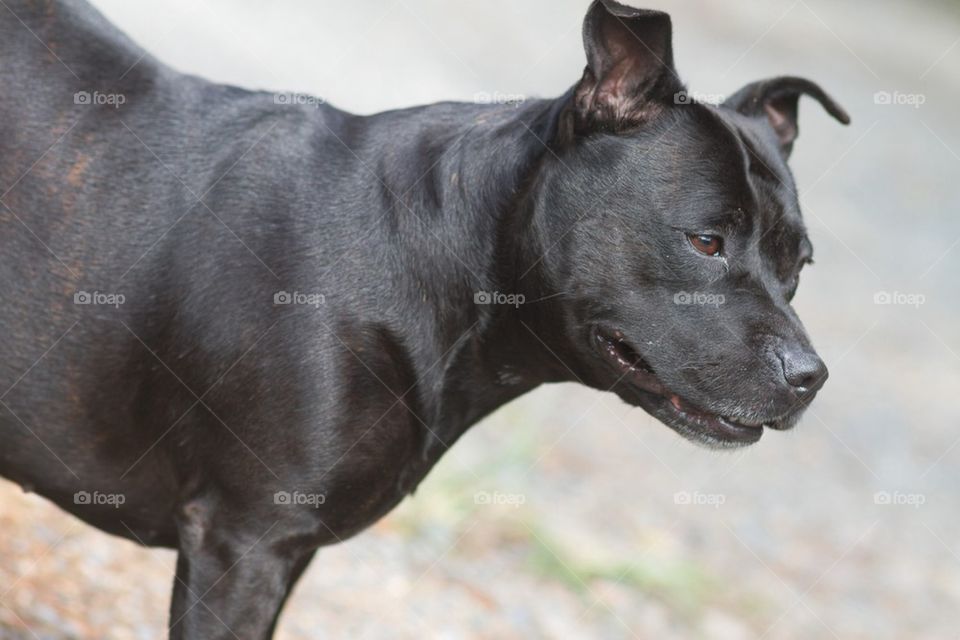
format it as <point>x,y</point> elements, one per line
<point>629,75</point>
<point>776,100</point>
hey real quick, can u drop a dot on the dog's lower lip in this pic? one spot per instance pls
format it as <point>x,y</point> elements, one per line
<point>720,426</point>
<point>682,406</point>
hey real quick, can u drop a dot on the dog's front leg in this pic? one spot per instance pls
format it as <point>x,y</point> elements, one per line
<point>232,583</point>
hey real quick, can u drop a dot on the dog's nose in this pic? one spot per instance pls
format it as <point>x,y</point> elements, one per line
<point>803,370</point>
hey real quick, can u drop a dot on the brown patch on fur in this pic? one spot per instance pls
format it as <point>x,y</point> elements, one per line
<point>75,176</point>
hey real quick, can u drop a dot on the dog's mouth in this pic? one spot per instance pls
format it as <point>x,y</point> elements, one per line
<point>638,377</point>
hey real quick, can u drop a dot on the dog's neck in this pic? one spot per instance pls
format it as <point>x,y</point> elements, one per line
<point>485,181</point>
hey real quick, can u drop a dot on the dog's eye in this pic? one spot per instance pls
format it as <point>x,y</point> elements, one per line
<point>706,244</point>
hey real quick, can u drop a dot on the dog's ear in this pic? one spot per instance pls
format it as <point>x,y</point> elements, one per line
<point>776,101</point>
<point>629,75</point>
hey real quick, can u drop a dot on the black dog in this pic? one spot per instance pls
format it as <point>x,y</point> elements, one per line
<point>246,325</point>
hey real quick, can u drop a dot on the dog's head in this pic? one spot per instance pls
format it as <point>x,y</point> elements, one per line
<point>674,231</point>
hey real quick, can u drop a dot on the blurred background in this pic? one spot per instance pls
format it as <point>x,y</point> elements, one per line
<point>568,514</point>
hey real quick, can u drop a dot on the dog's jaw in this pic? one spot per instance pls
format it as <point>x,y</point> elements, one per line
<point>638,383</point>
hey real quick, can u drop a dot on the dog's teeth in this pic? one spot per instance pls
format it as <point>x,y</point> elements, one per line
<point>675,401</point>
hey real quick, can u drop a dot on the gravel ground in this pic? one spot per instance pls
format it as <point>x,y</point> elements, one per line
<point>568,514</point>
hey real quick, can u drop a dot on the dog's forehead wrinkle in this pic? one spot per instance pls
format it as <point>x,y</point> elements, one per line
<point>764,163</point>
<point>784,236</point>
<point>780,231</point>
<point>726,164</point>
